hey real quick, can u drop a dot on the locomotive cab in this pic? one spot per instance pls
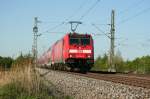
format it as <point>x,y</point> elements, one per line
<point>81,50</point>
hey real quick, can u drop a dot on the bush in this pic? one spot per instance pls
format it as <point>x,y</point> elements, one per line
<point>101,63</point>
<point>6,62</point>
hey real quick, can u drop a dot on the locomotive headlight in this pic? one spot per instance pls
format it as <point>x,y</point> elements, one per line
<point>70,56</point>
<point>89,56</point>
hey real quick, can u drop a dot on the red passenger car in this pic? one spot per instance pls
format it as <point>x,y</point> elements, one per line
<point>74,50</point>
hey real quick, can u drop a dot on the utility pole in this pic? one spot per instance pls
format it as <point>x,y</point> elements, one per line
<point>35,36</point>
<point>112,42</point>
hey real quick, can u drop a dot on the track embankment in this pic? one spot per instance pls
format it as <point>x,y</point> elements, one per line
<point>81,87</point>
<point>132,80</point>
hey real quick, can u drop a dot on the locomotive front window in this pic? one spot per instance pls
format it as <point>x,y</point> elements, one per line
<point>85,41</point>
<point>74,41</point>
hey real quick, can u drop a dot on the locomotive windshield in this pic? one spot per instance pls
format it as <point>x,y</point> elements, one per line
<point>85,41</point>
<point>80,41</point>
<point>74,41</point>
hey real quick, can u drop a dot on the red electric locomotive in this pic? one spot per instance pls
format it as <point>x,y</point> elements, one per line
<point>74,51</point>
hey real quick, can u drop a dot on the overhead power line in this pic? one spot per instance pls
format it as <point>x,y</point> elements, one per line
<point>55,32</point>
<point>100,30</point>
<point>77,10</point>
<point>134,16</point>
<point>58,25</point>
<point>99,24</point>
<point>52,22</point>
<point>92,7</point>
<point>133,5</point>
<point>65,21</point>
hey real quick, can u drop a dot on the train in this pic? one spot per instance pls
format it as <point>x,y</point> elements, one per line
<point>74,51</point>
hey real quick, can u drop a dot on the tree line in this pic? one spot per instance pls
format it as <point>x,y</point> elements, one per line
<point>140,65</point>
<point>8,62</point>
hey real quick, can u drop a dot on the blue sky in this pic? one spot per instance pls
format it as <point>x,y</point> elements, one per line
<point>132,24</point>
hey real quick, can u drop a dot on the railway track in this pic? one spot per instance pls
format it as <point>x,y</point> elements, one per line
<point>127,79</point>
<point>131,80</point>
<point>81,85</point>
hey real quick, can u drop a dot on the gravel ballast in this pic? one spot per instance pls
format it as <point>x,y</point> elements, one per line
<point>80,87</point>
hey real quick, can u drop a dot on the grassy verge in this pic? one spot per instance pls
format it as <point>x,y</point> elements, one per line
<point>22,83</point>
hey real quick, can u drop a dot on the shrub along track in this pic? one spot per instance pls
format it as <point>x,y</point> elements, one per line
<point>132,80</point>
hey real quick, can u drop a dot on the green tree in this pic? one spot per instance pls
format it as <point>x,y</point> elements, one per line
<point>139,65</point>
<point>23,60</point>
<point>6,62</point>
<point>101,63</point>
<point>119,62</point>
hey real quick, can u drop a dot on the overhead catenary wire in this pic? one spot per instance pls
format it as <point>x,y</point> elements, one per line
<point>134,16</point>
<point>58,25</point>
<point>52,22</point>
<point>91,8</point>
<point>55,32</point>
<point>133,5</point>
<point>100,24</point>
<point>103,33</point>
<point>65,21</point>
<point>77,10</point>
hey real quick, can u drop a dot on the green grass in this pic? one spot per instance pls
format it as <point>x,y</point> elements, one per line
<point>23,83</point>
<point>15,91</point>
